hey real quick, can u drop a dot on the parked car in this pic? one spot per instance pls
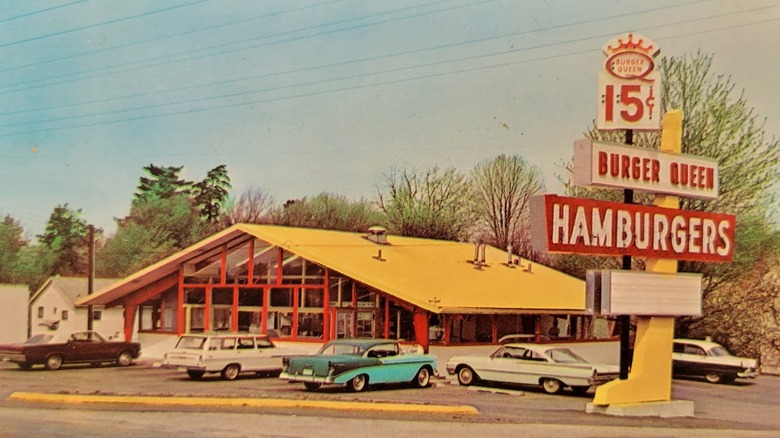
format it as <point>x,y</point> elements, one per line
<point>532,364</point>
<point>52,351</point>
<point>521,337</point>
<point>357,363</point>
<point>694,357</point>
<point>228,354</point>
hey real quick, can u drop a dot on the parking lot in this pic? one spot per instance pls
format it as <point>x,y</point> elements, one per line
<point>746,406</point>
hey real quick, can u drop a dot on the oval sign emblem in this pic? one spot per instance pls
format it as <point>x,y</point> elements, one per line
<point>629,65</point>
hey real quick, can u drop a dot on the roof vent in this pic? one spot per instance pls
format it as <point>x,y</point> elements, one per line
<point>377,234</point>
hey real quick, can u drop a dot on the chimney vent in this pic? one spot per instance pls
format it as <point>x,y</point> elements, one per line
<point>377,234</point>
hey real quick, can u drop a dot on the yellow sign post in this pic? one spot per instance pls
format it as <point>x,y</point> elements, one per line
<point>650,379</point>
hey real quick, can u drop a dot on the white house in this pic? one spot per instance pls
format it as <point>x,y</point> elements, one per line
<point>53,308</point>
<point>13,313</point>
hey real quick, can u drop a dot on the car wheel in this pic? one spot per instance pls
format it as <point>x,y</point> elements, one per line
<point>423,378</point>
<point>466,376</point>
<point>358,383</point>
<point>713,377</point>
<point>552,386</point>
<point>311,386</point>
<point>231,372</point>
<point>124,359</point>
<point>195,374</point>
<point>53,362</point>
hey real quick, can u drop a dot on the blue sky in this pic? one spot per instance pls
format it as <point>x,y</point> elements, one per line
<point>307,96</point>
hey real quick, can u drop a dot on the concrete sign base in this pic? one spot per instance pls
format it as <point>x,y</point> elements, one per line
<point>662,409</point>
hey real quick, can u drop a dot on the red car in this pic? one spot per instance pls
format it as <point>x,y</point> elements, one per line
<point>80,347</point>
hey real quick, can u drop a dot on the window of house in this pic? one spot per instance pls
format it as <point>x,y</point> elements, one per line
<point>40,311</point>
<point>65,315</point>
<point>97,315</point>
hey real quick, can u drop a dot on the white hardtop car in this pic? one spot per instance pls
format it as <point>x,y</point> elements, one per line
<point>227,354</point>
<point>547,365</point>
<point>695,357</point>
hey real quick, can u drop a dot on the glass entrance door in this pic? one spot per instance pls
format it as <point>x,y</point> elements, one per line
<point>345,323</point>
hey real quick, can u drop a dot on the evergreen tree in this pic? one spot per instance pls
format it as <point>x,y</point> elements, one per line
<point>66,236</point>
<point>162,183</point>
<point>11,243</point>
<point>211,194</point>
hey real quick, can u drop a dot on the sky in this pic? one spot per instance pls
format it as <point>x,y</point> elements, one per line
<point>300,97</point>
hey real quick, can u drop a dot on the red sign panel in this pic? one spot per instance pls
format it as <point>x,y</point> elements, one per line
<point>587,226</point>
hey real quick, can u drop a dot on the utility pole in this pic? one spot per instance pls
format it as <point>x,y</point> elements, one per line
<point>624,321</point>
<point>91,274</point>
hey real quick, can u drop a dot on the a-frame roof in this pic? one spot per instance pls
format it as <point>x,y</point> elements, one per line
<point>435,275</point>
<point>72,288</point>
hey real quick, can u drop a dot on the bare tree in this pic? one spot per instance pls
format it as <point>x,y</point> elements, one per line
<point>328,211</point>
<point>502,188</point>
<point>432,204</point>
<point>253,206</point>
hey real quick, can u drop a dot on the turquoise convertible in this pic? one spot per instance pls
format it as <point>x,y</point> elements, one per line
<point>358,363</point>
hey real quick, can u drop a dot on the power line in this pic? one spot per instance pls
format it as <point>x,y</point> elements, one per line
<point>189,32</point>
<point>167,59</point>
<point>40,11</point>
<point>343,63</point>
<point>338,79</point>
<point>105,23</point>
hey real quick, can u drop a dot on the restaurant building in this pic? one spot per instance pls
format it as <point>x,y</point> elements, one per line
<point>314,285</point>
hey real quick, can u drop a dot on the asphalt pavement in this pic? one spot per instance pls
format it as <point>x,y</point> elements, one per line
<point>742,409</point>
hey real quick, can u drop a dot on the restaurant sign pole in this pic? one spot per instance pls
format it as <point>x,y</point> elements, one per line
<point>662,233</point>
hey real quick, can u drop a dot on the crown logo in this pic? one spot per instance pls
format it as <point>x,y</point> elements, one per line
<point>631,42</point>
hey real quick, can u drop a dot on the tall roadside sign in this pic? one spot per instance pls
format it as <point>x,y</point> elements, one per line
<point>629,100</point>
<point>629,85</point>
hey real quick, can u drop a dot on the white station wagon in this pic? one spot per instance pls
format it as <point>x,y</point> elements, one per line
<point>227,354</point>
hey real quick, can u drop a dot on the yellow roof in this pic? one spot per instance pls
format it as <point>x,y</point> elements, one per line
<point>432,274</point>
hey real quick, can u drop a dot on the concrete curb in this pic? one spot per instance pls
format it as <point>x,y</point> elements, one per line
<point>245,402</point>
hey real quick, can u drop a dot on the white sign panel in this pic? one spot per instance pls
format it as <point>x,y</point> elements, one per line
<point>618,292</point>
<point>629,86</point>
<point>618,166</point>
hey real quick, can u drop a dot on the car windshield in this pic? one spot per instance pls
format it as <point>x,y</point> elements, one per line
<point>87,337</point>
<point>719,351</point>
<point>191,342</point>
<point>564,355</point>
<point>339,348</point>
<point>39,339</point>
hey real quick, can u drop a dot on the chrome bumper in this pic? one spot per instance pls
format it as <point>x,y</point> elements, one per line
<point>302,378</point>
<point>18,358</point>
<point>748,374</point>
<point>601,379</point>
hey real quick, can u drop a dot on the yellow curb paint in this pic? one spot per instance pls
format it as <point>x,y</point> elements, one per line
<point>244,402</point>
